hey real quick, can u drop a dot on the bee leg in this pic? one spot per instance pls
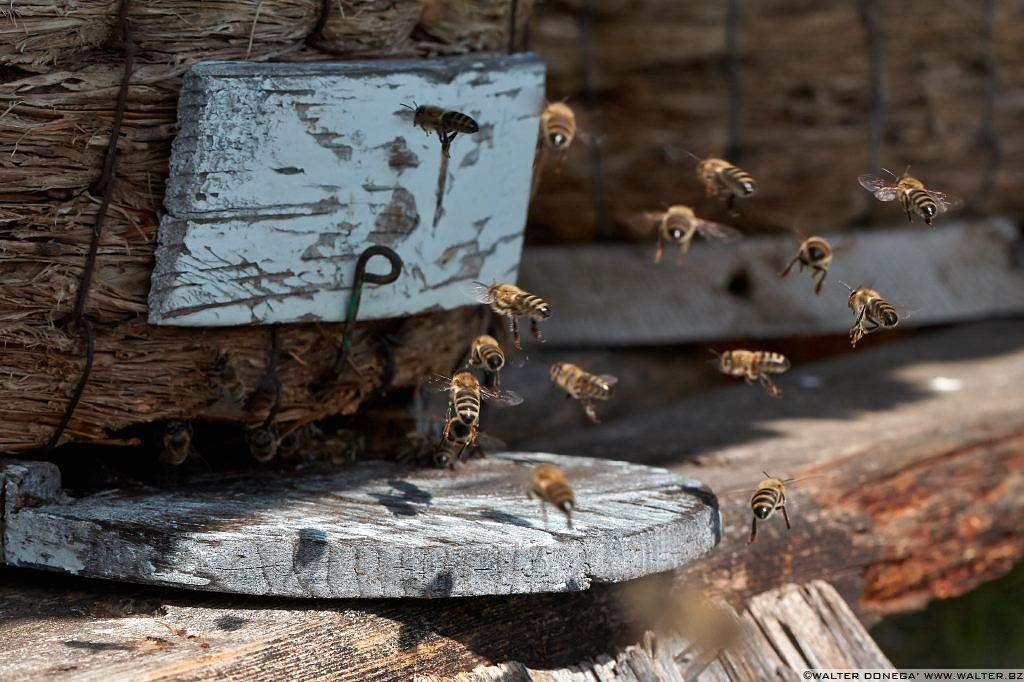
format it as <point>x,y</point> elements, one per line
<point>769,385</point>
<point>589,409</point>
<point>535,330</point>
<point>516,342</point>
<point>790,266</point>
<point>659,251</point>
<point>821,281</point>
<point>558,163</point>
<point>753,530</point>
<point>785,516</point>
<point>730,203</point>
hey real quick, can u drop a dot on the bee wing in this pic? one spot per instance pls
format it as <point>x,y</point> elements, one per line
<point>944,202</point>
<point>608,379</point>
<point>478,291</point>
<point>710,230</point>
<point>503,398</point>
<point>438,383</point>
<point>486,440</point>
<point>883,189</point>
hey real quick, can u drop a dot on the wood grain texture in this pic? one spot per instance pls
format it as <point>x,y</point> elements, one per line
<point>615,295</point>
<point>911,456</point>
<point>282,174</point>
<point>376,530</point>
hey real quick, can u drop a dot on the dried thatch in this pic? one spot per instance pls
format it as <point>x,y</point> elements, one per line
<point>57,109</point>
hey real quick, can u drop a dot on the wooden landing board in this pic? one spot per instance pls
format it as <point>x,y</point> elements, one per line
<point>376,530</point>
<point>282,174</point>
<point>605,294</point>
<point>786,630</point>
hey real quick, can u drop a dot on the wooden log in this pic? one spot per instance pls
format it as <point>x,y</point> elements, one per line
<point>911,452</point>
<point>605,294</point>
<point>267,218</point>
<point>377,530</point>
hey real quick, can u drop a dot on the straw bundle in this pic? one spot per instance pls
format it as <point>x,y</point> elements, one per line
<point>57,110</point>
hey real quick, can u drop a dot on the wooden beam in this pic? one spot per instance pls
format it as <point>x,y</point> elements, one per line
<point>613,294</point>
<point>377,529</point>
<point>913,454</point>
<point>267,218</point>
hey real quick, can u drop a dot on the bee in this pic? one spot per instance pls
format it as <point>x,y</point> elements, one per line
<point>301,444</point>
<point>869,308</point>
<point>721,177</point>
<point>485,353</point>
<point>913,196</point>
<point>751,364</point>
<point>512,302</point>
<point>447,124</point>
<point>225,375</point>
<point>815,253</point>
<point>557,130</point>
<point>679,224</point>
<point>583,386</point>
<point>177,442</point>
<point>769,497</point>
<point>262,441</point>
<point>457,436</point>
<point>465,394</point>
<point>549,485</point>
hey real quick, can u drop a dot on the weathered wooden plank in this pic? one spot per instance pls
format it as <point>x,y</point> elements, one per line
<point>879,433</point>
<point>283,173</point>
<point>606,294</point>
<point>378,529</point>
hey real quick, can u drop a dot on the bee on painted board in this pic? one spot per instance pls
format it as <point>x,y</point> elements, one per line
<point>465,394</point>
<point>583,386</point>
<point>870,309</point>
<point>229,382</point>
<point>447,124</point>
<point>721,178</point>
<point>915,198</point>
<point>752,365</point>
<point>512,302</point>
<point>549,485</point>
<point>769,497</point>
<point>678,225</point>
<point>176,441</point>
<point>262,441</point>
<point>816,254</point>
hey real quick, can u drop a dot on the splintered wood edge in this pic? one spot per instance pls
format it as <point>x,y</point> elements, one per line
<point>375,530</point>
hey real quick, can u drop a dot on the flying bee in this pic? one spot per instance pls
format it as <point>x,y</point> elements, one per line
<point>583,386</point>
<point>751,365</point>
<point>557,130</point>
<point>679,224</point>
<point>720,177</point>
<point>769,496</point>
<point>227,379</point>
<point>485,353</point>
<point>465,394</point>
<point>549,485</point>
<point>816,254</point>
<point>447,124</point>
<point>177,442</point>
<point>512,302</point>
<point>915,198</point>
<point>457,440</point>
<point>262,441</point>
<point>869,308</point>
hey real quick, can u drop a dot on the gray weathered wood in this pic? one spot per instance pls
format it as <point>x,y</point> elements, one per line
<point>376,530</point>
<point>282,174</point>
<point>610,294</point>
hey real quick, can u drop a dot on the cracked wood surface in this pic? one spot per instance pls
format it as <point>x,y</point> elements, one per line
<point>378,529</point>
<point>282,174</point>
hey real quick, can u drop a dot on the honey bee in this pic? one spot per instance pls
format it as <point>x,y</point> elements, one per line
<point>557,130</point>
<point>457,436</point>
<point>815,253</point>
<point>913,196</point>
<point>225,375</point>
<point>465,394</point>
<point>177,442</point>
<point>447,124</point>
<point>769,497</point>
<point>262,441</point>
<point>751,364</point>
<point>485,353</point>
<point>512,302</point>
<point>549,485</point>
<point>721,177</point>
<point>869,308</point>
<point>582,385</point>
<point>679,224</point>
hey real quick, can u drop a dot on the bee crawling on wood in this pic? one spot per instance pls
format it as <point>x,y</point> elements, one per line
<point>721,178</point>
<point>510,301</point>
<point>176,441</point>
<point>816,254</point>
<point>549,485</point>
<point>769,497</point>
<point>447,124</point>
<point>753,365</point>
<point>870,309</point>
<point>915,198</point>
<point>678,225</point>
<point>583,386</point>
<point>262,441</point>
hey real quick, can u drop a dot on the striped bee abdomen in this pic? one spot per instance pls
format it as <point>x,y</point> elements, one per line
<point>773,363</point>
<point>883,312</point>
<point>922,202</point>
<point>764,502</point>
<point>534,307</point>
<point>739,181</point>
<point>457,122</point>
